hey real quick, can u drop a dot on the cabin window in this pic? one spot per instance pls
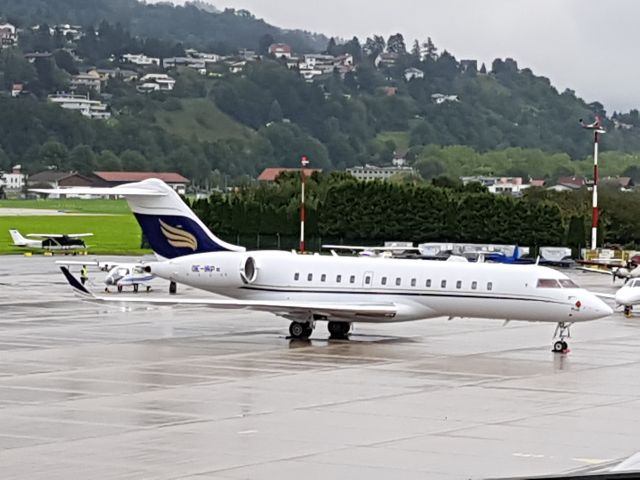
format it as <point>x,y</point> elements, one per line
<point>566,283</point>
<point>428,283</point>
<point>413,282</point>
<point>548,283</point>
<point>474,285</point>
<point>338,278</point>
<point>296,277</point>
<point>443,284</point>
<point>352,279</point>
<point>367,279</point>
<point>459,284</point>
<point>383,280</point>
<point>398,281</point>
<point>323,278</point>
<point>309,277</point>
<point>490,286</point>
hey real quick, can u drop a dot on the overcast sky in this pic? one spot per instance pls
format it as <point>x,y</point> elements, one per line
<point>587,45</point>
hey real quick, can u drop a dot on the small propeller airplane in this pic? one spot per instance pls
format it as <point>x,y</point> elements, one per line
<point>50,242</point>
<point>119,275</point>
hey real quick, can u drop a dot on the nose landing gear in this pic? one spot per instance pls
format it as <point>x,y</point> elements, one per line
<point>562,331</point>
<point>627,311</point>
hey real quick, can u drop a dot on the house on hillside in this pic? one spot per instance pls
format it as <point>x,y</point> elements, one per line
<point>90,80</point>
<point>8,35</point>
<point>440,98</point>
<point>113,179</point>
<point>567,184</point>
<point>140,59</point>
<point>412,73</point>
<point>386,60</point>
<point>373,172</point>
<point>156,82</point>
<point>280,50</point>
<point>93,109</point>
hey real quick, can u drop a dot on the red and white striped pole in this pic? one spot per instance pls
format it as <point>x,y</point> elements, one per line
<point>304,161</point>
<point>597,130</point>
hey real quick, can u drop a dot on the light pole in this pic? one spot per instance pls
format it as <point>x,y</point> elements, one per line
<point>304,161</point>
<point>597,130</point>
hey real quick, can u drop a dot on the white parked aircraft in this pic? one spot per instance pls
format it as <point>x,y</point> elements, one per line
<point>50,241</point>
<point>119,275</point>
<point>340,290</point>
<point>628,296</point>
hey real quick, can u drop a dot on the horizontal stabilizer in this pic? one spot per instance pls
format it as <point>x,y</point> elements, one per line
<point>124,190</point>
<point>59,235</point>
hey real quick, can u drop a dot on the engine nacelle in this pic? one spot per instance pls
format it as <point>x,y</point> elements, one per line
<point>248,270</point>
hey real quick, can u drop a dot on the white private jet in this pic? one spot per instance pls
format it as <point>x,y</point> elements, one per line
<point>119,275</point>
<point>340,290</point>
<point>71,242</point>
<point>628,296</point>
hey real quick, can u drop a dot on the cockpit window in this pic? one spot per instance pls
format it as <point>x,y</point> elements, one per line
<point>548,283</point>
<point>566,283</point>
<point>635,283</point>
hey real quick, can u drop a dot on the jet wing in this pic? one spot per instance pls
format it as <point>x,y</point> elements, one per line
<point>283,308</point>
<point>596,270</point>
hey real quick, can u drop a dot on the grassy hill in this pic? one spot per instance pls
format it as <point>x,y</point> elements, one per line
<point>201,117</point>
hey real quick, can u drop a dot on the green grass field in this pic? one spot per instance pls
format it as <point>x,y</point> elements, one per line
<point>201,117</point>
<point>115,230</point>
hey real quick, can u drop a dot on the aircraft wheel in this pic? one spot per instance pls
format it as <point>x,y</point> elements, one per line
<point>173,288</point>
<point>300,330</point>
<point>148,288</point>
<point>627,311</point>
<point>135,288</point>
<point>560,346</point>
<point>119,288</point>
<point>339,329</point>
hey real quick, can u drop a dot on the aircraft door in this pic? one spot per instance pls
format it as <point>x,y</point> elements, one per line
<point>367,280</point>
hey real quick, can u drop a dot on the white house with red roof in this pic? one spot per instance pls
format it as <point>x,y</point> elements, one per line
<point>280,50</point>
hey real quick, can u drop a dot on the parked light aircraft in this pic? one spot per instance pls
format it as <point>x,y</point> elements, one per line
<point>340,290</point>
<point>50,241</point>
<point>119,275</point>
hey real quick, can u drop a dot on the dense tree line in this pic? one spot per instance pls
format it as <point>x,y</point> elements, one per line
<point>192,24</point>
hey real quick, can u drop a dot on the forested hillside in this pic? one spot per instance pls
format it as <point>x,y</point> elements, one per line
<point>249,111</point>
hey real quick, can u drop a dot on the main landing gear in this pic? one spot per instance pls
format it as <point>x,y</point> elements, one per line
<point>562,332</point>
<point>339,330</point>
<point>300,330</point>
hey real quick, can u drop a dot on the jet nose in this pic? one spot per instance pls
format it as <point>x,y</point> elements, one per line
<point>109,281</point>
<point>624,297</point>
<point>594,308</point>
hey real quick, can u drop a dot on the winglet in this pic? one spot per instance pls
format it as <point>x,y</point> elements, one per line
<point>75,284</point>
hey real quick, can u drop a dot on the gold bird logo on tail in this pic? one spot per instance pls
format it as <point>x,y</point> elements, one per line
<point>177,237</point>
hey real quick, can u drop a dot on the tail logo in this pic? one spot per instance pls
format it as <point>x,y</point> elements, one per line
<point>177,237</point>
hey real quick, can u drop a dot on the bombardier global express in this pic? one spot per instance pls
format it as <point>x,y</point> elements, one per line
<point>306,289</point>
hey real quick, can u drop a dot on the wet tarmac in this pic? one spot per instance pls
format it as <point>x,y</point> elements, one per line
<point>95,392</point>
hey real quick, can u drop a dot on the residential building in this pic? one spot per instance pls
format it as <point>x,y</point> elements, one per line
<point>373,172</point>
<point>8,35</point>
<point>386,60</point>
<point>569,183</point>
<point>113,179</point>
<point>440,98</point>
<point>14,180</point>
<point>56,179</point>
<point>93,109</point>
<point>280,50</point>
<point>32,57</point>
<point>17,89</point>
<point>153,82</point>
<point>123,74</point>
<point>537,183</point>
<point>508,186</point>
<point>91,80</point>
<point>140,59</point>
<point>70,32</point>
<point>195,63</point>
<point>412,73</point>
<point>270,174</point>
<point>237,67</point>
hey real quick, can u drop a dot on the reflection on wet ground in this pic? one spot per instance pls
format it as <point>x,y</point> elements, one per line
<point>89,391</point>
